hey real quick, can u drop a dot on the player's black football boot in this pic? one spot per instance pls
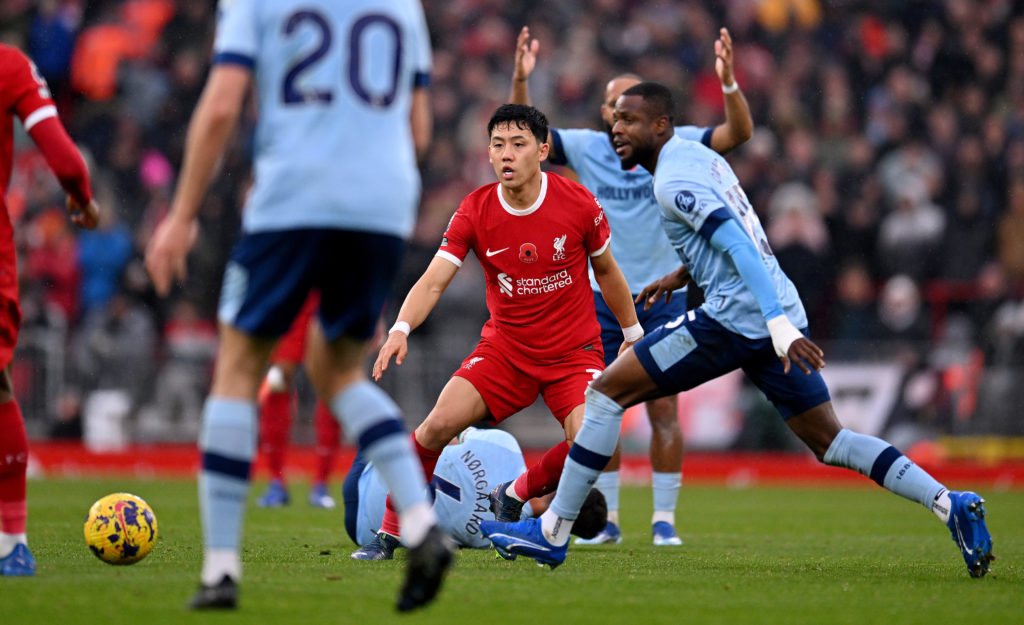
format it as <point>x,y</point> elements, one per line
<point>221,596</point>
<point>426,566</point>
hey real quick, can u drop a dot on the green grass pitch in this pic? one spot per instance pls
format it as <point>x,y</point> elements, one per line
<point>760,555</point>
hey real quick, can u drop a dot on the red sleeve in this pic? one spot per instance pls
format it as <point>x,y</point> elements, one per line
<point>458,236</point>
<point>63,158</point>
<point>31,102</point>
<point>597,232</point>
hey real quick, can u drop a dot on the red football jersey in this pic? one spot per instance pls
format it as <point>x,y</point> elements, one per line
<point>22,93</point>
<point>535,260</point>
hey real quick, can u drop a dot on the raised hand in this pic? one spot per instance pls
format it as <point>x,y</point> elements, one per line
<point>526,55</point>
<point>723,57</point>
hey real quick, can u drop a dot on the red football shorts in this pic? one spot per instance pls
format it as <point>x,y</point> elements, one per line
<point>509,382</point>
<point>292,346</point>
<point>10,308</point>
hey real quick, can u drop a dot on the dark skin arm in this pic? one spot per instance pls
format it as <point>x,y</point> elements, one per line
<point>804,352</point>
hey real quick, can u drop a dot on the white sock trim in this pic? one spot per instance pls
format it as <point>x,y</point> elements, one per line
<point>220,562</point>
<point>9,541</point>
<point>415,522</point>
<point>668,516</point>
<point>942,506</point>
<point>555,528</point>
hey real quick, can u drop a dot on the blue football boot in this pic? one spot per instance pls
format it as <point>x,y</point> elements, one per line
<point>967,525</point>
<point>320,498</point>
<point>506,510</point>
<point>524,538</point>
<point>275,496</point>
<point>18,563</point>
<point>610,535</point>
<point>665,535</point>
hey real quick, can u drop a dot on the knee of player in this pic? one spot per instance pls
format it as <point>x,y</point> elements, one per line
<point>438,429</point>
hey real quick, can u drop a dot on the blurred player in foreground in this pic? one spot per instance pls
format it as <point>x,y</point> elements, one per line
<point>644,253</point>
<point>533,233</point>
<point>752,319</point>
<point>276,404</point>
<point>24,94</point>
<point>461,482</point>
<point>343,110</point>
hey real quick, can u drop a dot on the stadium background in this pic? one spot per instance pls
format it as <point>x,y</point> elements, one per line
<point>887,165</point>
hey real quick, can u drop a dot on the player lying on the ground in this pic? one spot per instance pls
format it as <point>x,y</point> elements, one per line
<point>749,321</point>
<point>465,473</point>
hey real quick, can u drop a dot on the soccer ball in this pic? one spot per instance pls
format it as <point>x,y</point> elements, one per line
<point>120,528</point>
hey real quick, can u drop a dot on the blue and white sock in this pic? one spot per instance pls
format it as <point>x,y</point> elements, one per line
<point>588,456</point>
<point>227,442</point>
<point>370,417</point>
<point>608,484</point>
<point>885,464</point>
<point>665,487</point>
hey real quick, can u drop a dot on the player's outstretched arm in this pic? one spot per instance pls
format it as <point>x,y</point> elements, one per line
<point>213,123</point>
<point>739,124</point>
<point>418,303</point>
<point>525,61</point>
<point>615,291</point>
<point>664,286</point>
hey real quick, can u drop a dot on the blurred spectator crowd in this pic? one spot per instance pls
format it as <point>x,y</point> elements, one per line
<point>887,165</point>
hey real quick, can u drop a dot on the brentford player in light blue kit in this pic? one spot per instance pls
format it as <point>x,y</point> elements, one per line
<point>466,472</point>
<point>644,254</point>
<point>752,319</point>
<point>341,89</point>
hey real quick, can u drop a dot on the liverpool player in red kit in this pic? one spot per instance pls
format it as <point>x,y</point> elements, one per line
<point>275,401</point>
<point>23,93</point>
<point>533,233</point>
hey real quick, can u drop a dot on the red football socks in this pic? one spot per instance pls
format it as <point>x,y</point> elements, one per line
<point>328,440</point>
<point>542,478</point>
<point>13,466</point>
<point>275,427</point>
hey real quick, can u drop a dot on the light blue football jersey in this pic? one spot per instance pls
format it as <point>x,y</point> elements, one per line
<point>638,241</point>
<point>697,190</point>
<point>334,81</point>
<point>465,474</point>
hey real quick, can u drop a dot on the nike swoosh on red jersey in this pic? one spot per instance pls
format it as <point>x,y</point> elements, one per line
<point>489,253</point>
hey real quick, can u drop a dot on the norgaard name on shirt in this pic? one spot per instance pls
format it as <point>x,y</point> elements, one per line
<point>479,475</point>
<point>643,192</point>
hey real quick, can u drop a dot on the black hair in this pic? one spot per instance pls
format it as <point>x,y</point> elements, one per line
<point>523,116</point>
<point>593,515</point>
<point>657,99</point>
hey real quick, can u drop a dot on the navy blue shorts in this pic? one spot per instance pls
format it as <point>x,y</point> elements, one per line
<point>350,495</point>
<point>659,314</point>
<point>695,348</point>
<point>270,274</point>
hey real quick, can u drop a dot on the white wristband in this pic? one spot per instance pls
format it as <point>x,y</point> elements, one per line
<point>733,88</point>
<point>783,333</point>
<point>633,333</point>
<point>401,326</point>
